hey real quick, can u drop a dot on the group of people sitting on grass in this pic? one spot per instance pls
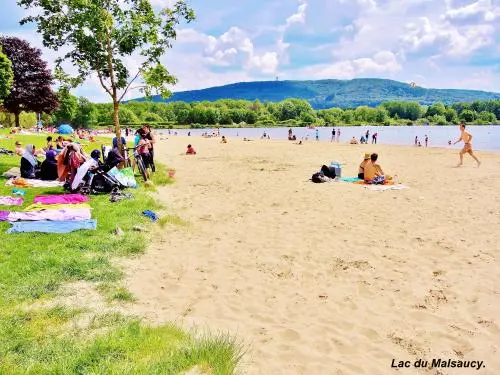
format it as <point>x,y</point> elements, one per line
<point>371,172</point>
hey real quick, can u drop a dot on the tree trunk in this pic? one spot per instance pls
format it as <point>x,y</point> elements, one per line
<point>16,115</point>
<point>116,122</point>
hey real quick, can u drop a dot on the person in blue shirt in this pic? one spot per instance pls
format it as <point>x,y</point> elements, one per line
<point>115,142</point>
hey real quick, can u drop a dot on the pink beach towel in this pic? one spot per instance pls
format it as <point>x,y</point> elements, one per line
<point>11,201</point>
<point>50,215</point>
<point>61,199</point>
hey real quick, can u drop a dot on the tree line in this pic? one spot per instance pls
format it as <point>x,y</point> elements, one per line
<point>26,88</point>
<point>290,112</point>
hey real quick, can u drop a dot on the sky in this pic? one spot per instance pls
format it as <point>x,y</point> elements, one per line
<point>434,43</point>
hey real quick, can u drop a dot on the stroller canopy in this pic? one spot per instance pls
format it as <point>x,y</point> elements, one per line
<point>65,129</point>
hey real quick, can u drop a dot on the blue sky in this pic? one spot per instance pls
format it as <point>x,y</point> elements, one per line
<point>436,43</point>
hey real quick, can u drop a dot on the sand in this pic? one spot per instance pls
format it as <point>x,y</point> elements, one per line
<point>328,278</point>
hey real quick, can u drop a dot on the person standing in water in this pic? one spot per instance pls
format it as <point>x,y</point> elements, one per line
<point>466,137</point>
<point>426,140</point>
<point>333,134</point>
<point>338,135</point>
<point>317,134</point>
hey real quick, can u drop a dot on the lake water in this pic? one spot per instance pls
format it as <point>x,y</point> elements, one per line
<point>485,137</point>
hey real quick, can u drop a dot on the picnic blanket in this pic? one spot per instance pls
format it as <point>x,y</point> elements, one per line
<point>11,201</point>
<point>25,182</point>
<point>50,215</point>
<point>46,226</point>
<point>41,206</point>
<point>61,199</point>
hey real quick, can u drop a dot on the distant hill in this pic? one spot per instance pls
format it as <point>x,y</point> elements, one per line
<point>330,93</point>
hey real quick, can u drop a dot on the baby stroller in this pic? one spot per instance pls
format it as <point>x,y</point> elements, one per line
<point>92,178</point>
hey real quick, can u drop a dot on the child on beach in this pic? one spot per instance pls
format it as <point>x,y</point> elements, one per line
<point>190,150</point>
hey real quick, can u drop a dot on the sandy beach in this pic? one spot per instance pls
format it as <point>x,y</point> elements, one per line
<point>328,278</point>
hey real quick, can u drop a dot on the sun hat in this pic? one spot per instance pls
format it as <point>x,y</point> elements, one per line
<point>367,156</point>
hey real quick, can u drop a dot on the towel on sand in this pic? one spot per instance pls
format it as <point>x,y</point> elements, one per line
<point>52,226</point>
<point>350,179</point>
<point>11,201</point>
<point>41,206</point>
<point>51,215</point>
<point>25,182</point>
<point>385,187</point>
<point>61,199</point>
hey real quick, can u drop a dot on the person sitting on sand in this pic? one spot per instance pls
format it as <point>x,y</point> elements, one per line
<point>223,139</point>
<point>361,170</point>
<point>353,141</point>
<point>190,150</point>
<point>373,172</point>
<point>362,140</point>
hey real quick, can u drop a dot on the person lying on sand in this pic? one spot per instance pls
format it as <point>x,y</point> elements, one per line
<point>361,170</point>
<point>467,138</point>
<point>373,172</point>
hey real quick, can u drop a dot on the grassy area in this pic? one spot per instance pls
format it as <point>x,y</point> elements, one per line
<point>35,265</point>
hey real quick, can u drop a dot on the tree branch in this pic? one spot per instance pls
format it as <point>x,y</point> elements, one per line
<point>128,86</point>
<point>103,85</point>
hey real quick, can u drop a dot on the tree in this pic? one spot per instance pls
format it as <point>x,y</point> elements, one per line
<point>68,105</point>
<point>6,75</point>
<point>31,90</point>
<point>468,115</point>
<point>85,114</point>
<point>102,34</point>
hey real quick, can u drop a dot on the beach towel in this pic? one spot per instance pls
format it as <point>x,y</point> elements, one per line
<point>52,226</point>
<point>63,198</point>
<point>51,215</point>
<point>25,182</point>
<point>350,179</point>
<point>41,206</point>
<point>4,215</point>
<point>11,201</point>
<point>385,187</point>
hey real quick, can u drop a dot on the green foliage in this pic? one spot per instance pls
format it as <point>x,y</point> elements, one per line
<point>68,105</point>
<point>6,76</point>
<point>85,114</point>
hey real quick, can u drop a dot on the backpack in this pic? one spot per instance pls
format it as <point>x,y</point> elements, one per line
<point>328,171</point>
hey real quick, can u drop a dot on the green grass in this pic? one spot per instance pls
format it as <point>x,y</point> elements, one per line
<point>34,266</point>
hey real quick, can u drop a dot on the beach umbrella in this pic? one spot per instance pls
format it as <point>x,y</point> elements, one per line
<point>65,129</point>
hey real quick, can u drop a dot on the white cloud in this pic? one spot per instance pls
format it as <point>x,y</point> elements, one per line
<point>481,10</point>
<point>451,40</point>
<point>383,62</point>
<point>299,17</point>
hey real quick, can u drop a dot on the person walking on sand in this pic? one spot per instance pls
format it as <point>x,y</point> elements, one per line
<point>466,137</point>
<point>374,138</point>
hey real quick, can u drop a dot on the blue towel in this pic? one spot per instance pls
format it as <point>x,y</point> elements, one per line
<point>150,214</point>
<point>46,226</point>
<point>349,179</point>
